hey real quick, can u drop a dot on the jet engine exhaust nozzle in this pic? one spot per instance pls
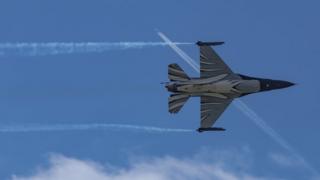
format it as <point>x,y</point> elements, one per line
<point>171,87</point>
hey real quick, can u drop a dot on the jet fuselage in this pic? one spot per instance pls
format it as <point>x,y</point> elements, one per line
<point>225,88</point>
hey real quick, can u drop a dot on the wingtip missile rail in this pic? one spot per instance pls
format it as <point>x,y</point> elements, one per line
<point>200,43</point>
<point>210,129</point>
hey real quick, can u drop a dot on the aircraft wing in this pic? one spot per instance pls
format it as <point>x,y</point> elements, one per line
<point>211,109</point>
<point>211,64</point>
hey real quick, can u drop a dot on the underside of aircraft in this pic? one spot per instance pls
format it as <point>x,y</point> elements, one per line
<point>217,86</point>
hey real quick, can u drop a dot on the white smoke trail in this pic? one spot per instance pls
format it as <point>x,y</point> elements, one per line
<point>181,53</point>
<point>54,48</point>
<point>246,110</point>
<point>273,134</point>
<point>77,127</point>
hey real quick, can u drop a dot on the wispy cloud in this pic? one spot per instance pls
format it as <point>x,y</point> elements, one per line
<point>284,160</point>
<point>246,110</point>
<point>78,127</point>
<point>159,168</point>
<point>54,48</point>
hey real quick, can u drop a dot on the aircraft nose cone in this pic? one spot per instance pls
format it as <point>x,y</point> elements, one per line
<point>266,85</point>
<point>288,84</point>
<point>283,84</point>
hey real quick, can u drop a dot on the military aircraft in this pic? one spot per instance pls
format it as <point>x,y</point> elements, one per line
<point>217,86</point>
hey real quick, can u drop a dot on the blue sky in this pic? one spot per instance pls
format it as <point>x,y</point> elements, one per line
<point>273,39</point>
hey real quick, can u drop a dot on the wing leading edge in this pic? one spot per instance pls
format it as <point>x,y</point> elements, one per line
<point>212,65</point>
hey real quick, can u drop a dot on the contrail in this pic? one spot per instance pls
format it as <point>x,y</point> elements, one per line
<point>246,110</point>
<point>78,127</point>
<point>54,48</point>
<point>273,134</point>
<point>181,53</point>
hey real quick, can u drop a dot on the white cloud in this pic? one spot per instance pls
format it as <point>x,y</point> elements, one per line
<point>284,160</point>
<point>65,168</point>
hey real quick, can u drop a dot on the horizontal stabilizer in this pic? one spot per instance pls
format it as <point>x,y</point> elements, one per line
<point>211,129</point>
<point>176,101</point>
<point>175,73</point>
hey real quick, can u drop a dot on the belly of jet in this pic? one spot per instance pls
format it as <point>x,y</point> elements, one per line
<point>230,87</point>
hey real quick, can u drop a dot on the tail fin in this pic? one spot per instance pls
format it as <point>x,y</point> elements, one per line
<point>175,73</point>
<point>176,101</point>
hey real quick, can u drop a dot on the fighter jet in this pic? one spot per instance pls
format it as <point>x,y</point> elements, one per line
<point>217,86</point>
